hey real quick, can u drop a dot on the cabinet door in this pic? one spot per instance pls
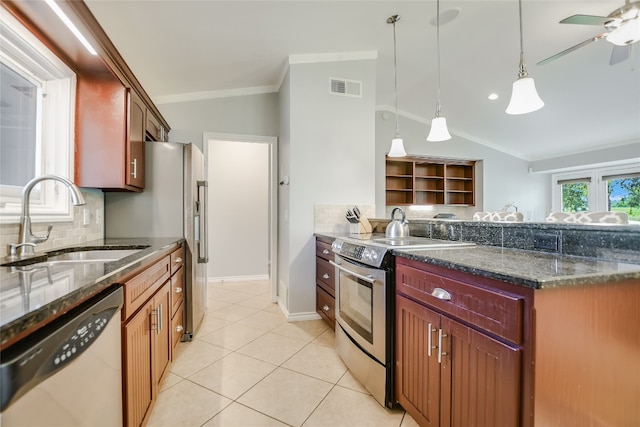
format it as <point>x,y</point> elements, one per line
<point>161,332</point>
<point>417,373</point>
<point>135,148</point>
<point>480,378</point>
<point>138,375</point>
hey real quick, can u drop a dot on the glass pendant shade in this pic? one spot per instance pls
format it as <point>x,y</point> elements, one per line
<point>438,131</point>
<point>524,97</point>
<point>397,148</point>
<point>626,34</point>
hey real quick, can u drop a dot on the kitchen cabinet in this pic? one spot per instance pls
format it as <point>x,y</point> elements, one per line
<point>459,350</point>
<point>147,338</point>
<point>177,296</point>
<point>325,281</point>
<point>427,181</point>
<point>154,130</point>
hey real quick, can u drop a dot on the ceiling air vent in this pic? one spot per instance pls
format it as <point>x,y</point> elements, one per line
<point>345,87</point>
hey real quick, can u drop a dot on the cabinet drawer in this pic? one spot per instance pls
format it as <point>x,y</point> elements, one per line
<point>177,290</point>
<point>139,289</point>
<point>323,250</point>
<point>492,310</point>
<point>177,259</point>
<point>326,275</point>
<point>325,306</point>
<point>177,327</point>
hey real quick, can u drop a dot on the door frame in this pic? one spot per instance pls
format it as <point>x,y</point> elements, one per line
<point>272,141</point>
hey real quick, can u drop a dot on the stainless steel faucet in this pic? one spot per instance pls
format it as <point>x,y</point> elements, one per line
<point>27,243</point>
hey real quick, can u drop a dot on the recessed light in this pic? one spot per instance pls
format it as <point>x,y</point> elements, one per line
<point>493,96</point>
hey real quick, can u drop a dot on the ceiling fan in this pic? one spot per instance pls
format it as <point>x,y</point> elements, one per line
<point>622,29</point>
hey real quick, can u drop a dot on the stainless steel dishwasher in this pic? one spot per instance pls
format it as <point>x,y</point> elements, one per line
<point>68,373</point>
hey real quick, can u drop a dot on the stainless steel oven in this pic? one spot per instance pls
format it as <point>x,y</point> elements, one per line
<point>365,307</point>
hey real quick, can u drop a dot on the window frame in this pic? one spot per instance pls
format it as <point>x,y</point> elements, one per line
<point>26,54</point>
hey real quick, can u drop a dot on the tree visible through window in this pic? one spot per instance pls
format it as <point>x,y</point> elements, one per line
<point>575,197</point>
<point>624,196</point>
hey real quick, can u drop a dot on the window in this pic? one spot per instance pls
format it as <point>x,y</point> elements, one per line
<point>37,97</point>
<point>603,189</point>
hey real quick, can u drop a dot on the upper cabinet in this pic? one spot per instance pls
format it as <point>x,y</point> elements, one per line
<point>428,181</point>
<point>114,115</point>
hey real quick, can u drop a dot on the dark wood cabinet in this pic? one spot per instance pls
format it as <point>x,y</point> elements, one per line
<point>427,181</point>
<point>454,366</point>
<point>325,281</point>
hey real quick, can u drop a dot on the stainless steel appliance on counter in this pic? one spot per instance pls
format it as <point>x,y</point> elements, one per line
<point>365,306</point>
<point>173,204</point>
<point>69,371</point>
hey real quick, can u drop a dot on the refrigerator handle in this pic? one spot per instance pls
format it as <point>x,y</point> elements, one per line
<point>201,223</point>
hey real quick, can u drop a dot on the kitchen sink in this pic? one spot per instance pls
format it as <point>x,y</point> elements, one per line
<point>100,255</point>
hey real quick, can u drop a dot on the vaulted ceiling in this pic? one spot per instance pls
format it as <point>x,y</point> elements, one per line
<point>183,50</point>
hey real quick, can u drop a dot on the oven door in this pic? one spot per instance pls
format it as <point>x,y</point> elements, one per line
<point>361,306</point>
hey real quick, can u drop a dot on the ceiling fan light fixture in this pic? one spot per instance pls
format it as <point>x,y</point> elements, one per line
<point>397,148</point>
<point>625,34</point>
<point>438,131</point>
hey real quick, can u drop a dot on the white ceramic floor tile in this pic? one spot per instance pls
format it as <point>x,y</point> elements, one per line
<point>214,304</point>
<point>232,313</point>
<point>409,421</point>
<point>262,302</point>
<point>317,361</point>
<point>170,380</point>
<point>327,338</point>
<point>306,331</point>
<point>347,408</point>
<point>264,320</point>
<point>210,324</point>
<point>232,336</point>
<point>236,415</point>
<point>232,375</point>
<point>350,382</point>
<point>226,295</point>
<point>272,348</point>
<point>287,396</point>
<point>194,356</point>
<point>186,404</point>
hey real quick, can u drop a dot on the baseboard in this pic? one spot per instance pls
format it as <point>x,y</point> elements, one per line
<point>255,278</point>
<point>299,317</point>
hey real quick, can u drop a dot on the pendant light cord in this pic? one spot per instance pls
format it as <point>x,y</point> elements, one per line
<point>395,73</point>
<point>522,72</point>
<point>438,53</point>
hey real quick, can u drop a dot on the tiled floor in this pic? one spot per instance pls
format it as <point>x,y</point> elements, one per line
<point>248,366</point>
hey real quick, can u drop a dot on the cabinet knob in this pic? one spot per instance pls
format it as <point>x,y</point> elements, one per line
<point>178,260</point>
<point>325,276</point>
<point>325,251</point>
<point>178,290</point>
<point>325,307</point>
<point>179,328</point>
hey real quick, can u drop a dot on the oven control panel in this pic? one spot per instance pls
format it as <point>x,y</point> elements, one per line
<point>370,255</point>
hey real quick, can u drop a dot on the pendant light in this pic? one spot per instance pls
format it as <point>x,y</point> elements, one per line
<point>438,131</point>
<point>397,145</point>
<point>524,97</point>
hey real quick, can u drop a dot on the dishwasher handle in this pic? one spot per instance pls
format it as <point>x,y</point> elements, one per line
<point>49,349</point>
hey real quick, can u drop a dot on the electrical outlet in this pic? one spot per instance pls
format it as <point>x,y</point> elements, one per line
<point>86,216</point>
<point>546,241</point>
<point>98,216</point>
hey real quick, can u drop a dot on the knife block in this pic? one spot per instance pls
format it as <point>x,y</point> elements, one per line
<point>362,227</point>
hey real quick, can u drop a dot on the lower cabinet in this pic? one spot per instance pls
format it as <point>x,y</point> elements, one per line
<point>152,326</point>
<point>325,281</point>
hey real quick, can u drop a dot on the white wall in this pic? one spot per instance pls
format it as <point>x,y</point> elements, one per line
<point>627,152</point>
<point>329,154</point>
<point>239,215</point>
<point>501,178</point>
<point>284,169</point>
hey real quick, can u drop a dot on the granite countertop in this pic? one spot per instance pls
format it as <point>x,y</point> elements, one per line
<point>55,289</point>
<point>533,269</point>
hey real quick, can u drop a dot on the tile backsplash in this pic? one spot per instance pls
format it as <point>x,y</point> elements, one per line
<point>331,218</point>
<point>63,233</point>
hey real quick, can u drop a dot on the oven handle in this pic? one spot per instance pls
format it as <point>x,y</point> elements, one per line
<point>369,279</point>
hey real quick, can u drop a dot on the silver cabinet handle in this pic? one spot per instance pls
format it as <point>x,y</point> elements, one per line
<point>440,352</point>
<point>325,251</point>
<point>326,307</point>
<point>178,290</point>
<point>159,323</point>
<point>135,168</point>
<point>179,328</point>
<point>430,345</point>
<point>178,260</point>
<point>325,276</point>
<point>441,294</point>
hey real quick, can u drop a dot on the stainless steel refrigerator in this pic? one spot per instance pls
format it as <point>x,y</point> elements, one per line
<point>173,204</point>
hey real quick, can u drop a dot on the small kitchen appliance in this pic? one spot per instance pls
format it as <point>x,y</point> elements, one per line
<point>397,228</point>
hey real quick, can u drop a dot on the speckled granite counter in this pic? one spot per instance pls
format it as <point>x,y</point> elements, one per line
<point>55,289</point>
<point>533,269</point>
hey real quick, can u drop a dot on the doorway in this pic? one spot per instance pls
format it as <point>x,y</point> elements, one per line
<point>241,172</point>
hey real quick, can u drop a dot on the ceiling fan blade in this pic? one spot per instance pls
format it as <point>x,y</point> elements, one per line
<point>619,54</point>
<point>585,20</point>
<point>572,48</point>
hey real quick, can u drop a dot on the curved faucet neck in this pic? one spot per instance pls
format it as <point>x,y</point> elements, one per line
<point>76,196</point>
